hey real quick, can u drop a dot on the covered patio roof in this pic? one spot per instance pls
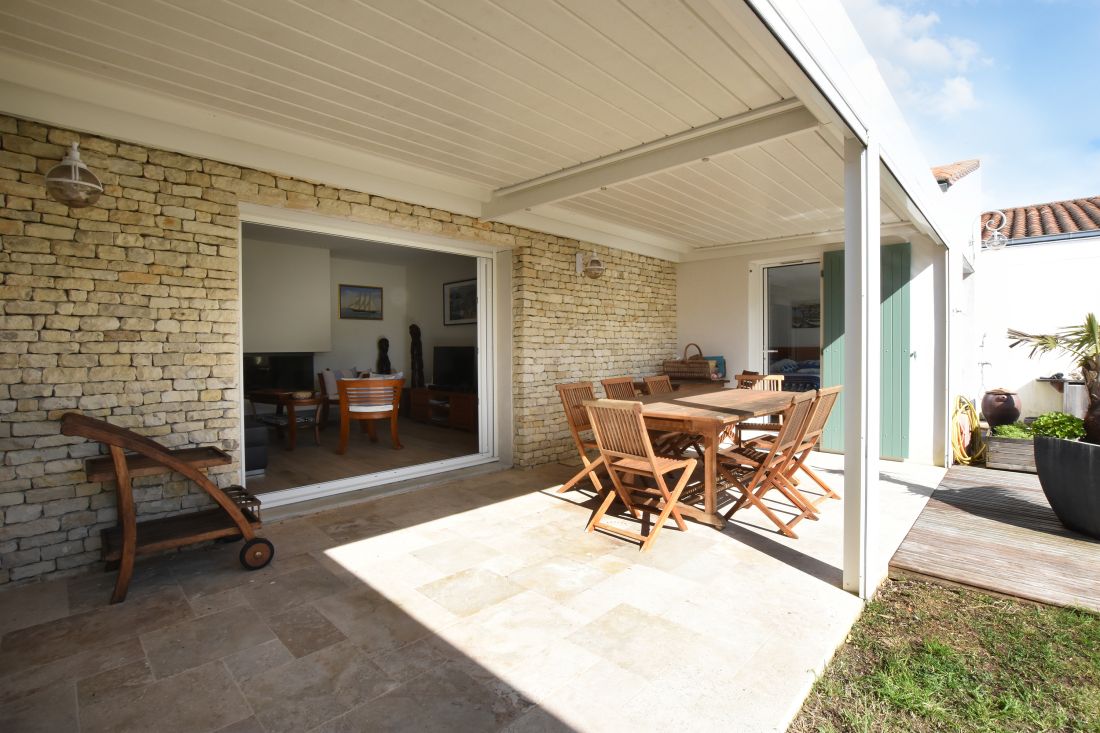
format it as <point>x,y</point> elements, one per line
<point>683,130</point>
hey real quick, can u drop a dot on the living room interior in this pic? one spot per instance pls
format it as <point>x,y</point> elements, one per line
<point>317,308</point>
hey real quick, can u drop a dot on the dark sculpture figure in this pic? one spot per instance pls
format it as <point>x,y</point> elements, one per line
<point>417,353</point>
<point>384,356</point>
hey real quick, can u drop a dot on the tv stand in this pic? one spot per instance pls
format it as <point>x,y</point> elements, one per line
<point>449,408</point>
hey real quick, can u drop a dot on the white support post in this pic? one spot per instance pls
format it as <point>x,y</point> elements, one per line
<point>862,365</point>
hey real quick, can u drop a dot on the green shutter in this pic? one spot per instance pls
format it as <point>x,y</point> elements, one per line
<point>895,348</point>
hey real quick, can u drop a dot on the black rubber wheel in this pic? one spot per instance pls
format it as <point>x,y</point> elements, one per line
<point>257,553</point>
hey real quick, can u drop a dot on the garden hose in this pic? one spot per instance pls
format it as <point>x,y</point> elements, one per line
<point>966,437</point>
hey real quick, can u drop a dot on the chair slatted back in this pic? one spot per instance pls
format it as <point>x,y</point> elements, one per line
<point>620,429</point>
<point>823,407</point>
<point>765,382</point>
<point>795,419</point>
<point>619,388</point>
<point>660,384</point>
<point>573,396</point>
<point>370,392</point>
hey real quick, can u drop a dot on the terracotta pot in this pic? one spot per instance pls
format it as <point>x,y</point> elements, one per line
<point>1001,407</point>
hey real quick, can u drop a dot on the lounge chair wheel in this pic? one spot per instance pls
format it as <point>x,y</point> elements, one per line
<point>257,553</point>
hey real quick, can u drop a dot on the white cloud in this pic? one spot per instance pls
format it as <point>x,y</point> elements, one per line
<point>925,70</point>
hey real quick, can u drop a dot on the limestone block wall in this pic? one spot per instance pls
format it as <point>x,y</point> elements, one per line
<point>569,327</point>
<point>129,310</point>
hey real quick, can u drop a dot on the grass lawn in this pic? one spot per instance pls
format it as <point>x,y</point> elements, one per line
<point>927,658</point>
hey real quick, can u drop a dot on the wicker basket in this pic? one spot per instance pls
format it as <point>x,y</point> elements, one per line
<point>690,367</point>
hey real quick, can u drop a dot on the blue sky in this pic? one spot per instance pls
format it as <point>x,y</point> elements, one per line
<point>1012,82</point>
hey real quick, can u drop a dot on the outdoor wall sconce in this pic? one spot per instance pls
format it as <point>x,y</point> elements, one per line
<point>70,182</point>
<point>590,265</point>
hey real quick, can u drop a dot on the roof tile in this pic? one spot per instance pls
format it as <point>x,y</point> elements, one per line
<point>1057,217</point>
<point>952,172</point>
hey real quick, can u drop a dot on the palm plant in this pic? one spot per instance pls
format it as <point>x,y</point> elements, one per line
<point>1082,342</point>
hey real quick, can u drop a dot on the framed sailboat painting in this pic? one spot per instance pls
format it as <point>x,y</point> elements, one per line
<point>363,302</point>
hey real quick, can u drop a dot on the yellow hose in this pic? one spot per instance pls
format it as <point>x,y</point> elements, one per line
<point>965,434</point>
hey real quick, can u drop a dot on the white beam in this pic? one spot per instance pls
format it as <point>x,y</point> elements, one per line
<point>862,319</point>
<point>898,231</point>
<point>775,121</point>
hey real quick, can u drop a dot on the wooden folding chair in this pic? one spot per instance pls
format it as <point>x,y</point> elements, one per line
<point>754,473</point>
<point>368,400</point>
<point>619,388</point>
<point>573,396</point>
<point>766,383</point>
<point>819,415</point>
<point>624,444</point>
<point>659,384</point>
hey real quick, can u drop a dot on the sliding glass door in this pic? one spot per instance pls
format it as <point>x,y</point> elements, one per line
<point>792,324</point>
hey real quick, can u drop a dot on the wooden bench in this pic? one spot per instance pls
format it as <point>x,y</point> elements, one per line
<point>236,516</point>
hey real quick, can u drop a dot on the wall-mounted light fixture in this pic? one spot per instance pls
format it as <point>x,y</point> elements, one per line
<point>590,265</point>
<point>71,182</point>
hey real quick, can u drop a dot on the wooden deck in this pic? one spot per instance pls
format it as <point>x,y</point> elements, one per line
<point>994,530</point>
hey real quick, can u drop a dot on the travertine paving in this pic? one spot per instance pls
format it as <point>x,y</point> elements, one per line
<point>475,605</point>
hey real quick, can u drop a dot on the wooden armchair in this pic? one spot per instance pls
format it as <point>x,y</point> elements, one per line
<point>368,400</point>
<point>660,384</point>
<point>819,416</point>
<point>573,397</point>
<point>326,385</point>
<point>619,388</point>
<point>624,445</point>
<point>753,473</point>
<point>237,513</point>
<point>767,383</point>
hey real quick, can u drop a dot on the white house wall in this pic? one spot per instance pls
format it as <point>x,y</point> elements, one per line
<point>1036,288</point>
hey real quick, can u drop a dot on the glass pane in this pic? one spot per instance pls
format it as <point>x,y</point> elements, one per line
<point>792,324</point>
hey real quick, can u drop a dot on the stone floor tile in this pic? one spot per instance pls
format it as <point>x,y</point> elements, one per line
<point>303,630</point>
<point>203,605</point>
<point>445,698</point>
<point>103,686</point>
<point>53,640</point>
<point>283,592</point>
<point>308,691</point>
<point>51,709</point>
<point>415,659</point>
<point>173,649</point>
<point>250,662</point>
<point>538,720</point>
<point>93,590</point>
<point>452,556</point>
<point>593,700</point>
<point>469,591</point>
<point>84,663</point>
<point>248,725</point>
<point>371,620</point>
<point>341,529</point>
<point>33,603</point>
<point>200,699</point>
<point>559,578</point>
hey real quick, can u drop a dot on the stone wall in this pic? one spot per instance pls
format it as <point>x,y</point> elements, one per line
<point>570,327</point>
<point>128,310</point>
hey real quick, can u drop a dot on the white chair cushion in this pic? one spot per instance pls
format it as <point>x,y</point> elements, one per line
<point>370,408</point>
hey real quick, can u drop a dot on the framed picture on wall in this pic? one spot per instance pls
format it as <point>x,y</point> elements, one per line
<point>806,315</point>
<point>460,302</point>
<point>363,302</point>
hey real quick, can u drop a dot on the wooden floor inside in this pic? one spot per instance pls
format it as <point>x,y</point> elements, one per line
<point>994,530</point>
<point>310,463</point>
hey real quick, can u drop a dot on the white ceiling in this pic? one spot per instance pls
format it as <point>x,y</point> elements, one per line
<point>490,94</point>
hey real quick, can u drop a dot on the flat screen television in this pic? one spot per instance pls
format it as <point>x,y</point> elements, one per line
<point>455,368</point>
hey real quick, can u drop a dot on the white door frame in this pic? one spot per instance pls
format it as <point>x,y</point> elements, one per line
<point>765,319</point>
<point>492,263</point>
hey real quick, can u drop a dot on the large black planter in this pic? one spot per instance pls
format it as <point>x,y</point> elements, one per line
<point>1069,471</point>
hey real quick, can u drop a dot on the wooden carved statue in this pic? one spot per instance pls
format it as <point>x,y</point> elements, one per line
<point>383,356</point>
<point>417,354</point>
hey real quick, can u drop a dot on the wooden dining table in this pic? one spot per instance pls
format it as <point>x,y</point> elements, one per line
<point>707,411</point>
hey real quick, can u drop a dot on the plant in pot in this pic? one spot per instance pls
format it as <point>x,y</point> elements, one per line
<point>1069,467</point>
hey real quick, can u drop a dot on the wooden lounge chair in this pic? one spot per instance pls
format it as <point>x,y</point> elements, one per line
<point>624,444</point>
<point>819,417</point>
<point>619,388</point>
<point>753,473</point>
<point>573,396</point>
<point>369,400</point>
<point>236,516</point>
